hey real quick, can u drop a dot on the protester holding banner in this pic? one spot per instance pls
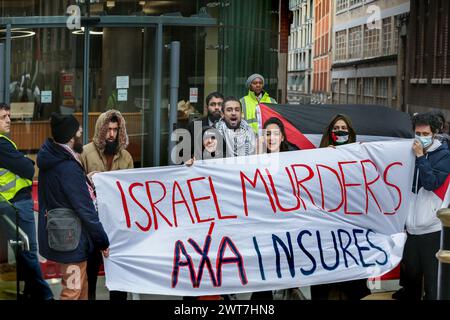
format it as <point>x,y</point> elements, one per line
<point>64,188</point>
<point>420,266</point>
<point>105,153</point>
<point>274,137</point>
<point>239,138</point>
<point>339,132</point>
<point>275,140</point>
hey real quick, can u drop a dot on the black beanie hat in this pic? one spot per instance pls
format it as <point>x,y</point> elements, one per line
<point>64,128</point>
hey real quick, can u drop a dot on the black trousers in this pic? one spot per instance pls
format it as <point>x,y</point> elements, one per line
<point>94,262</point>
<point>419,269</point>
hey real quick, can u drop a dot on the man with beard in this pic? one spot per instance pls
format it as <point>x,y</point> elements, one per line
<point>16,175</point>
<point>105,153</point>
<point>63,185</point>
<point>214,102</point>
<point>239,138</point>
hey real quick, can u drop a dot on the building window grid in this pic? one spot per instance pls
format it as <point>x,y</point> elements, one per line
<point>394,88</point>
<point>351,90</point>
<point>355,3</point>
<point>354,42</point>
<point>371,42</point>
<point>341,5</point>
<point>382,91</point>
<point>438,70</point>
<point>368,90</point>
<point>341,45</point>
<point>387,36</point>
<point>342,86</point>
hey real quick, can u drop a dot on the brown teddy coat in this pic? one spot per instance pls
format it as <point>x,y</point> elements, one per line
<point>93,158</point>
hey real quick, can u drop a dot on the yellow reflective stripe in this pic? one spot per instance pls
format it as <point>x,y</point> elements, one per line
<point>8,186</point>
<point>3,136</point>
<point>3,172</point>
<point>249,121</point>
<point>244,107</point>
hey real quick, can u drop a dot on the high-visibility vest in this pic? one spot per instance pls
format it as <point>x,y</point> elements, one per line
<point>249,103</point>
<point>10,183</point>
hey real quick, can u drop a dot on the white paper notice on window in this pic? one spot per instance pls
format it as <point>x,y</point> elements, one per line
<point>46,97</point>
<point>122,95</point>
<point>193,95</point>
<point>122,82</point>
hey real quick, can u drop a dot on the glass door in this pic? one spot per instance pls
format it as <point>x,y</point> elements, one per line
<point>121,73</point>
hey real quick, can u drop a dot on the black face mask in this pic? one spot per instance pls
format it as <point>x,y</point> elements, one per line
<point>111,147</point>
<point>340,137</point>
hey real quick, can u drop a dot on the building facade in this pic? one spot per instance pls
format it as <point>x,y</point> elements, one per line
<point>428,58</point>
<point>369,52</point>
<point>322,59</point>
<point>300,75</point>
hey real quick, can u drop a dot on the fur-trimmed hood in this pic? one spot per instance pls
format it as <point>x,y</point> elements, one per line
<point>101,129</point>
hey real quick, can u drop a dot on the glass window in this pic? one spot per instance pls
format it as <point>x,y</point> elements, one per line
<point>46,77</point>
<point>341,5</point>
<point>341,44</point>
<point>22,8</point>
<point>368,89</point>
<point>354,42</point>
<point>382,91</point>
<point>355,2</point>
<point>371,42</point>
<point>387,36</point>
<point>351,90</point>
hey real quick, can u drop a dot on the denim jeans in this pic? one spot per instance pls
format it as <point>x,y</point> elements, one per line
<point>29,270</point>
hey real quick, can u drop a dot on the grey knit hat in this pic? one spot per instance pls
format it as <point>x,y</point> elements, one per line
<point>253,77</point>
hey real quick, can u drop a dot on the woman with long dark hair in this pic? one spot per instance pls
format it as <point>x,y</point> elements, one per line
<point>274,137</point>
<point>339,132</point>
<point>275,140</point>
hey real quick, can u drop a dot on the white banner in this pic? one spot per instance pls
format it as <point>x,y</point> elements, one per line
<point>256,223</point>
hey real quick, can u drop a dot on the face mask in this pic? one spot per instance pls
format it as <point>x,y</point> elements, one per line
<point>340,137</point>
<point>426,141</point>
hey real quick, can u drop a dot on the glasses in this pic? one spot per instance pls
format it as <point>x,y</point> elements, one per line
<point>213,104</point>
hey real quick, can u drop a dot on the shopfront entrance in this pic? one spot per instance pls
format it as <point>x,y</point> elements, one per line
<point>110,62</point>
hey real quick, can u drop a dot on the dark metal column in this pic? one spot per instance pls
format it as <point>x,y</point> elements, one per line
<point>7,98</point>
<point>174,86</point>
<point>444,256</point>
<point>86,85</point>
<point>2,72</point>
<point>157,95</point>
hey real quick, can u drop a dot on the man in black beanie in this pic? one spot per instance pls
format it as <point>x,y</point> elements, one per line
<point>63,184</point>
<point>64,128</point>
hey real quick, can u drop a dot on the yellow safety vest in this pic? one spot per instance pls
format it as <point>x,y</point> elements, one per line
<point>10,183</point>
<point>249,103</point>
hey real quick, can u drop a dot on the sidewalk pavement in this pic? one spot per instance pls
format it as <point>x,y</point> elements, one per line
<point>382,291</point>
